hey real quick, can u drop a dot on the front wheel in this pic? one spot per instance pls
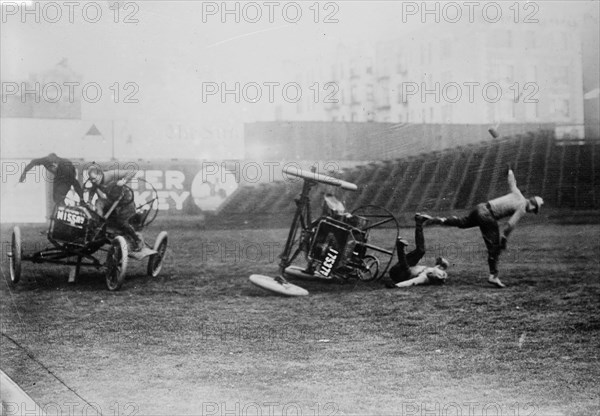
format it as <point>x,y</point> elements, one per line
<point>116,263</point>
<point>155,262</point>
<point>15,256</point>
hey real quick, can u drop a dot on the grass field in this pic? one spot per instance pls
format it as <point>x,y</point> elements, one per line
<point>200,339</point>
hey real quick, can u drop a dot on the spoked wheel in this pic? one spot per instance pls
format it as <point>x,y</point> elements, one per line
<point>146,212</point>
<point>155,262</point>
<point>382,232</point>
<point>370,269</point>
<point>116,263</point>
<point>15,256</point>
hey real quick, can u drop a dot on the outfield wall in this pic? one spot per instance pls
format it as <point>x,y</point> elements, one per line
<point>184,187</point>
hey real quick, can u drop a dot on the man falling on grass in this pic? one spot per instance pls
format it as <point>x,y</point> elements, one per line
<point>407,272</point>
<point>486,216</point>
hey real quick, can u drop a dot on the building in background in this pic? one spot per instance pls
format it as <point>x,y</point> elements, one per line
<point>591,74</point>
<point>472,74</point>
<point>353,73</point>
<point>482,73</point>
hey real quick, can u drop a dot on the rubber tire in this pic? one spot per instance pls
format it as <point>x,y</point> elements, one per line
<point>16,254</point>
<point>155,262</point>
<point>118,249</point>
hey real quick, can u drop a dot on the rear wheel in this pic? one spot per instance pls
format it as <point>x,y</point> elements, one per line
<point>15,256</point>
<point>116,263</point>
<point>155,262</point>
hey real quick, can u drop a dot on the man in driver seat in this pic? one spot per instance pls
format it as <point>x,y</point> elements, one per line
<point>108,186</point>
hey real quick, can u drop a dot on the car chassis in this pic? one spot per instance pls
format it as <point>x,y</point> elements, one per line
<point>77,235</point>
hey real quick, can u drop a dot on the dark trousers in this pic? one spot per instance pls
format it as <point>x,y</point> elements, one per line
<point>120,217</point>
<point>65,177</point>
<point>401,270</point>
<point>482,217</point>
<point>60,191</point>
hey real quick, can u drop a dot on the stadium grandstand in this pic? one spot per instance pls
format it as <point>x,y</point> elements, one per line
<point>565,175</point>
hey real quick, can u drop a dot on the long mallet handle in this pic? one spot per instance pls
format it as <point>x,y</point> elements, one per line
<point>319,177</point>
<point>114,205</point>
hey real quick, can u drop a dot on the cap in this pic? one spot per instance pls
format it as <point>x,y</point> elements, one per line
<point>442,262</point>
<point>94,171</point>
<point>537,202</point>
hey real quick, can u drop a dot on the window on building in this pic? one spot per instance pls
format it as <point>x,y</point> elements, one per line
<point>370,94</point>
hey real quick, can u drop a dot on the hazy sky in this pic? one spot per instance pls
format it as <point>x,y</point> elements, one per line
<point>175,46</point>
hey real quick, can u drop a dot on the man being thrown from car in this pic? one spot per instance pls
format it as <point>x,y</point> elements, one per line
<point>65,176</point>
<point>407,272</point>
<point>108,186</point>
<point>486,216</point>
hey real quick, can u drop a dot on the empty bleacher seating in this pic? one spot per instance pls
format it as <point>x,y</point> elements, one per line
<point>470,175</point>
<point>566,176</point>
<point>402,187</point>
